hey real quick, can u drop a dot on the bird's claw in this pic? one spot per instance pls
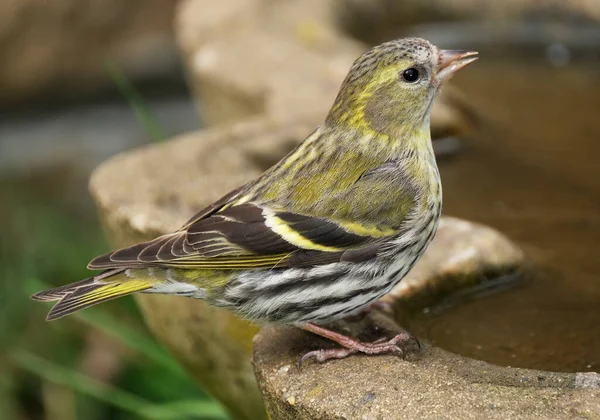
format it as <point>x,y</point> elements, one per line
<point>381,346</point>
<point>324,355</point>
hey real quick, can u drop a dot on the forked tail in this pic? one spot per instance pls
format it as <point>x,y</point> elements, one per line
<point>108,285</point>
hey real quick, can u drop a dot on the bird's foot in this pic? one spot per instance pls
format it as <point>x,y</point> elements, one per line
<point>396,345</point>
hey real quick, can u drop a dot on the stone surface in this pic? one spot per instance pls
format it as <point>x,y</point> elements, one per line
<point>462,255</point>
<point>280,77</point>
<point>61,45</point>
<point>278,58</point>
<point>431,385</point>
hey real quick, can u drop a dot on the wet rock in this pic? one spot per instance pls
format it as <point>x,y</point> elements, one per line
<point>432,385</point>
<point>61,45</point>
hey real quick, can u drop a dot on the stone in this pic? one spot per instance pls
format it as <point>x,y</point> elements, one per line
<point>460,256</point>
<point>61,45</point>
<point>263,57</point>
<point>280,78</point>
<point>434,384</point>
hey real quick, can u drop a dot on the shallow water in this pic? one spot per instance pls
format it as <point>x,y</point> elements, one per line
<point>532,171</point>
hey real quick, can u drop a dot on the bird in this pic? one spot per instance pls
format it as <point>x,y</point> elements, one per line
<point>322,234</point>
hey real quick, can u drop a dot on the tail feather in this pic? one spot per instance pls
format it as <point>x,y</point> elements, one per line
<point>57,293</point>
<point>91,291</point>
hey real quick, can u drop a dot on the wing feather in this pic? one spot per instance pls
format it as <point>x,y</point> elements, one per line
<point>246,236</point>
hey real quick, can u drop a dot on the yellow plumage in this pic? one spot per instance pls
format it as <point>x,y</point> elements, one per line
<point>92,291</point>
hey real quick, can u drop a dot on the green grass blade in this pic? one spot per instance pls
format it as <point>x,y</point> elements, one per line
<point>185,410</point>
<point>114,396</point>
<point>130,337</point>
<point>142,111</point>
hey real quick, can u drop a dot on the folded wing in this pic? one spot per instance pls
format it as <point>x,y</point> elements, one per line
<point>246,236</point>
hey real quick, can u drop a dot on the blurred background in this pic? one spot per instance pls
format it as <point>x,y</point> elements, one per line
<point>83,80</point>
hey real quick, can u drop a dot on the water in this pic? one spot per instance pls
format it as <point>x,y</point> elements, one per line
<point>532,171</point>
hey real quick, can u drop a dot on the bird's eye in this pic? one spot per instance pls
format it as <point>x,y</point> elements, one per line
<point>410,75</point>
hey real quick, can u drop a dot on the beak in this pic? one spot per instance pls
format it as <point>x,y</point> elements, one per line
<point>451,61</point>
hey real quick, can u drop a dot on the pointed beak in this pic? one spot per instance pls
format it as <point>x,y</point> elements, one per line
<point>451,61</point>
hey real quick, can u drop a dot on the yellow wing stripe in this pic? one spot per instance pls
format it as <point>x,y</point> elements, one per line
<point>230,264</point>
<point>283,229</point>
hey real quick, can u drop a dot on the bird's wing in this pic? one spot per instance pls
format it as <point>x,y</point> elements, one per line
<point>248,235</point>
<point>224,236</point>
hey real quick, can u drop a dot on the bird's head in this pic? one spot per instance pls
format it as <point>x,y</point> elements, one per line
<point>390,88</point>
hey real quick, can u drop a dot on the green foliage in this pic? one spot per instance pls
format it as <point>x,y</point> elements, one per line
<point>194,408</point>
<point>49,236</point>
<point>49,233</point>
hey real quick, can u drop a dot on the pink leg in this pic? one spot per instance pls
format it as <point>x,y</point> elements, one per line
<point>352,346</point>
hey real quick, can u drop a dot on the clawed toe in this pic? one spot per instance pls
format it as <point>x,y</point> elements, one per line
<point>381,346</point>
<point>395,345</point>
<point>416,341</point>
<point>324,355</point>
<point>406,339</point>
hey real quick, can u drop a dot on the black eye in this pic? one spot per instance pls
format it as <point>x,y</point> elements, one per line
<point>410,75</point>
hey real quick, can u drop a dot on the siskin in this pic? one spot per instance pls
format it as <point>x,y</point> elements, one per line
<point>327,231</point>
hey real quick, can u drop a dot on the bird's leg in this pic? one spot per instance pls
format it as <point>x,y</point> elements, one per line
<point>352,346</point>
